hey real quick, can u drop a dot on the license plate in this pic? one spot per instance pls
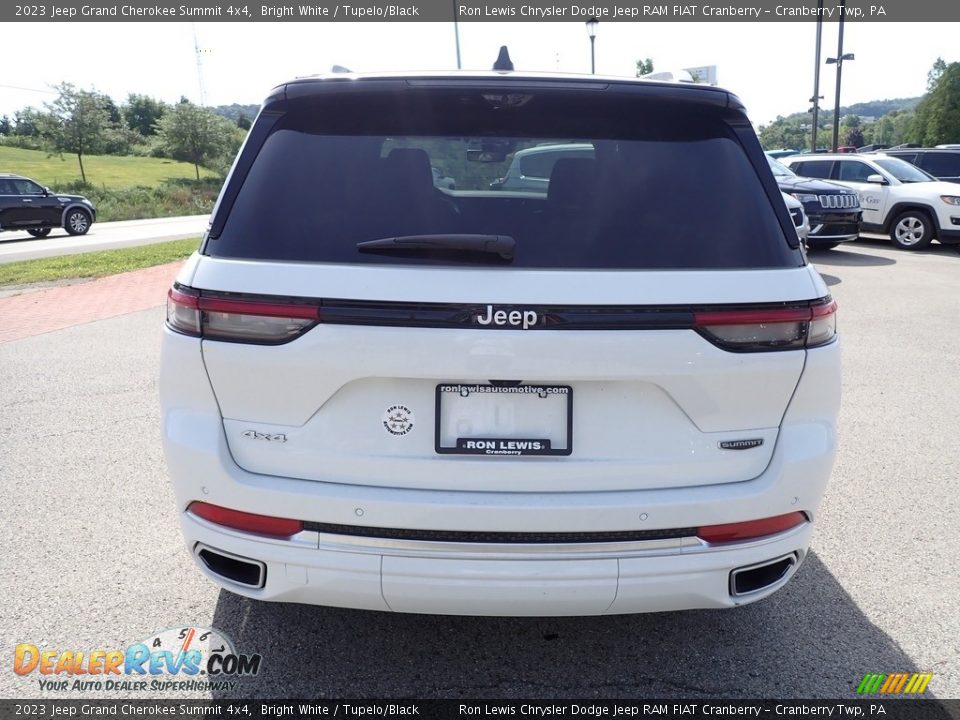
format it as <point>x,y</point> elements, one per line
<point>504,421</point>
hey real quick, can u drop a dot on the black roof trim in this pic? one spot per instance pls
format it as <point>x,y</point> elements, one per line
<point>303,88</point>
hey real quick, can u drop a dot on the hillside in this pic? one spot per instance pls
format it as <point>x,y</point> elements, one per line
<point>873,108</point>
<point>234,111</point>
<point>111,171</point>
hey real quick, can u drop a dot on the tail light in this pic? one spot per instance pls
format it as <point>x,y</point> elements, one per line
<point>769,328</point>
<point>247,522</point>
<point>752,529</point>
<point>236,320</point>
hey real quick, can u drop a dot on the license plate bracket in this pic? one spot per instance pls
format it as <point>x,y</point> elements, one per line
<point>503,420</point>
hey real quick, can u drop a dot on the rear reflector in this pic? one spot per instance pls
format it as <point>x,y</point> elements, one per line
<point>235,320</point>
<point>769,328</point>
<point>752,529</point>
<point>247,522</point>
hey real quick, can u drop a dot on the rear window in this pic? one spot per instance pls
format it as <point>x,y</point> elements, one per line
<point>633,185</point>
<point>814,168</point>
<point>942,164</point>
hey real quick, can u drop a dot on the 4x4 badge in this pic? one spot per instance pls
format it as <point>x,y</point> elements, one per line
<point>270,437</point>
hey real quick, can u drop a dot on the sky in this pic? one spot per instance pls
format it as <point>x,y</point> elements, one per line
<point>769,65</point>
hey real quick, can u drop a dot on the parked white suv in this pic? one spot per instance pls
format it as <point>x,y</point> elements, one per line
<point>898,199</point>
<point>382,394</point>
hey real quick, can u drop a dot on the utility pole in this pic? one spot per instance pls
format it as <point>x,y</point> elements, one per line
<point>196,50</point>
<point>456,32</point>
<point>816,79</point>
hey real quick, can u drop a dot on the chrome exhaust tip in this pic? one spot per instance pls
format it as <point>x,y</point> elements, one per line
<point>235,568</point>
<point>762,576</point>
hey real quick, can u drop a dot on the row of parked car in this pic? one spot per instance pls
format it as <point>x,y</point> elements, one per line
<point>896,198</point>
<point>909,194</point>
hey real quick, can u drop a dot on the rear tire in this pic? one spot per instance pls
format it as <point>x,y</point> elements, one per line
<point>39,232</point>
<point>912,230</point>
<point>78,222</point>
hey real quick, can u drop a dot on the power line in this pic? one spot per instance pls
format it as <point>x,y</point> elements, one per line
<point>36,90</point>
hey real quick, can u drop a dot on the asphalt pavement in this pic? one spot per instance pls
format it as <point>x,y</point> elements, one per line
<point>21,245</point>
<point>94,560</point>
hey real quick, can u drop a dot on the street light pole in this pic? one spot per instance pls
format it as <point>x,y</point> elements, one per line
<point>592,32</point>
<point>839,62</point>
<point>816,78</point>
<point>456,32</point>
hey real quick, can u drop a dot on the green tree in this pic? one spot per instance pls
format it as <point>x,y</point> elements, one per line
<point>783,133</point>
<point>937,118</point>
<point>644,67</point>
<point>243,122</point>
<point>6,127</point>
<point>194,134</point>
<point>26,122</point>
<point>77,122</point>
<point>933,76</point>
<point>142,113</point>
<point>903,122</point>
<point>879,132</point>
<point>851,131</point>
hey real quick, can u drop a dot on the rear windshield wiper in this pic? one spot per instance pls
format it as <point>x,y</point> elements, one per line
<point>501,245</point>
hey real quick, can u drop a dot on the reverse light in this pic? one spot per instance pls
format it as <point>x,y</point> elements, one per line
<point>950,199</point>
<point>765,329</point>
<point>751,529</point>
<point>237,320</point>
<point>247,522</point>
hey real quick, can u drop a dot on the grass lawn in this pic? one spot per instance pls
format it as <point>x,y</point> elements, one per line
<point>95,264</point>
<point>112,171</point>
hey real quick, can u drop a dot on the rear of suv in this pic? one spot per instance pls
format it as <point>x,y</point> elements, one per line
<point>597,398</point>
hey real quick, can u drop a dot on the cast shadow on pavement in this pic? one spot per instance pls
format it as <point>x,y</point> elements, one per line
<point>847,257</point>
<point>809,640</point>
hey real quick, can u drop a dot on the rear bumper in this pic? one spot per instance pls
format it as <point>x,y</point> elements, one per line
<point>513,581</point>
<point>506,580</point>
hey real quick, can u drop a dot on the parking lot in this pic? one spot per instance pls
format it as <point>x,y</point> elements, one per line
<point>94,560</point>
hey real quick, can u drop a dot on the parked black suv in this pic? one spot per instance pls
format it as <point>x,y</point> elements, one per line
<point>833,210</point>
<point>27,205</point>
<point>942,163</point>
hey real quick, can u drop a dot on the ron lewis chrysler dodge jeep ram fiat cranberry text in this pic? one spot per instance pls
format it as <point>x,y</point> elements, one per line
<point>613,393</point>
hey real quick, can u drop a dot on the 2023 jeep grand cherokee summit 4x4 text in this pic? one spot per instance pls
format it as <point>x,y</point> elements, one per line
<point>596,398</point>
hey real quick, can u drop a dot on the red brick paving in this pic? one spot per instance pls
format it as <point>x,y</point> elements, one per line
<point>42,311</point>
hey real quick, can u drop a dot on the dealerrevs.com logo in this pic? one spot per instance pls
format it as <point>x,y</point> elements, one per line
<point>184,658</point>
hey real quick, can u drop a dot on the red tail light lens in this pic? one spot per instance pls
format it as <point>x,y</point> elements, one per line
<point>183,310</point>
<point>769,328</point>
<point>236,320</point>
<point>247,522</point>
<point>750,530</point>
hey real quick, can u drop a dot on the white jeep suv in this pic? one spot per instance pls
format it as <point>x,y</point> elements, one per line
<point>596,398</point>
<point>898,199</point>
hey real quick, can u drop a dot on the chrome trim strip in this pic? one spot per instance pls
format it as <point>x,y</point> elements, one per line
<point>309,540</point>
<point>493,551</point>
